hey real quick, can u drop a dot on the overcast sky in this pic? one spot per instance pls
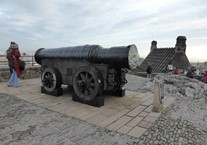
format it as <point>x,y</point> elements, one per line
<point>34,24</point>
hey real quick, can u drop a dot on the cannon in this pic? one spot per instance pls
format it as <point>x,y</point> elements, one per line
<point>90,70</point>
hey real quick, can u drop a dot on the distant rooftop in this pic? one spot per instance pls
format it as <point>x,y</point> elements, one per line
<point>160,58</point>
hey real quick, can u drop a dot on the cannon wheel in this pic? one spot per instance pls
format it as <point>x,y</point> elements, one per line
<point>51,79</point>
<point>87,83</point>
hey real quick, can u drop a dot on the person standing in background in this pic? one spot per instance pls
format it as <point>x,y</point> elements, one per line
<point>205,77</point>
<point>176,71</point>
<point>190,73</point>
<point>8,56</point>
<point>14,80</point>
<point>149,71</point>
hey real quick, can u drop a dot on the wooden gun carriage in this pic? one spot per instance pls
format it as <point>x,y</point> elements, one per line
<point>89,69</point>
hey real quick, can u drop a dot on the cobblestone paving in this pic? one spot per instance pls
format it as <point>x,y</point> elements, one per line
<point>168,130</point>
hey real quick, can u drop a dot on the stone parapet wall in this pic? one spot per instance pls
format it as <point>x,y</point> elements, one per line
<point>28,73</point>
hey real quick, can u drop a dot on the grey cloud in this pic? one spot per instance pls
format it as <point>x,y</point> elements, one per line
<point>58,22</point>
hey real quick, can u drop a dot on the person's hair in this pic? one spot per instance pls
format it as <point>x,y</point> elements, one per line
<point>12,42</point>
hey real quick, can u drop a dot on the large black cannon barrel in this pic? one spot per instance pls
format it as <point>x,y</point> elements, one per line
<point>122,56</point>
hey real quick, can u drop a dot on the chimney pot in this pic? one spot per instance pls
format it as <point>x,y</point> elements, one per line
<point>153,45</point>
<point>180,45</point>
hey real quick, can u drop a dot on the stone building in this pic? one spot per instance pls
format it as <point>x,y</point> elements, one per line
<point>161,58</point>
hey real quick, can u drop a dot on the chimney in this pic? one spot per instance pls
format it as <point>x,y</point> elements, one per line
<point>180,45</point>
<point>153,45</point>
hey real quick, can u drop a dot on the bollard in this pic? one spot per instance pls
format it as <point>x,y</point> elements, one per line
<point>158,96</point>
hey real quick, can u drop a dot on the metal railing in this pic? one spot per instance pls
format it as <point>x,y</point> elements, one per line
<point>29,60</point>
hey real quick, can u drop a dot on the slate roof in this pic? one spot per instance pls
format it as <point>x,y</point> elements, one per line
<point>159,59</point>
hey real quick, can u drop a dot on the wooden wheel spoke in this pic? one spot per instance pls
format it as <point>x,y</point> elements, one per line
<point>86,92</point>
<point>90,90</point>
<point>87,75</point>
<point>90,79</point>
<point>82,76</point>
<point>79,81</point>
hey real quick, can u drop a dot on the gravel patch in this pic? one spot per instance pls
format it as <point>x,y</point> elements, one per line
<point>175,85</point>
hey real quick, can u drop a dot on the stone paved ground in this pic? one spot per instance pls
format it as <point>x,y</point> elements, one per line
<point>182,123</point>
<point>131,115</point>
<point>23,123</point>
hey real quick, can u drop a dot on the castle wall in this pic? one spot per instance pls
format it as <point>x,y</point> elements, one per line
<point>28,73</point>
